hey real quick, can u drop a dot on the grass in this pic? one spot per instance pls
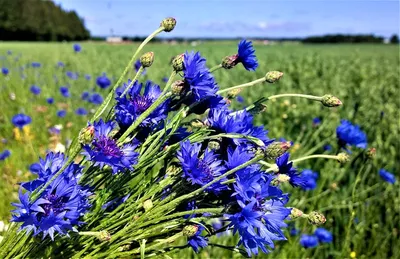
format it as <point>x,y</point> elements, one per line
<point>362,210</point>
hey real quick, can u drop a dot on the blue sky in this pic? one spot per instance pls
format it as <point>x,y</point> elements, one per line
<point>238,18</point>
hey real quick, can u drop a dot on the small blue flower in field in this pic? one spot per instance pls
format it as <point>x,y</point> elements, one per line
<point>286,167</point>
<point>36,64</point>
<point>240,99</point>
<point>103,81</point>
<point>316,121</point>
<point>81,111</point>
<point>294,231</point>
<point>246,55</point>
<point>50,100</point>
<point>60,64</point>
<point>197,241</point>
<point>65,91</point>
<point>104,150</point>
<point>56,130</point>
<point>386,176</point>
<point>96,99</point>
<point>72,75</point>
<point>85,96</point>
<point>77,47</point>
<point>200,169</point>
<point>308,241</point>
<point>323,235</point>
<point>61,113</point>
<point>349,134</point>
<point>21,120</point>
<point>128,108</point>
<point>164,79</point>
<point>310,177</point>
<point>3,155</point>
<point>59,207</point>
<point>35,168</point>
<point>35,89</point>
<point>137,65</point>
<point>88,77</point>
<point>327,147</point>
<point>9,52</point>
<point>4,70</point>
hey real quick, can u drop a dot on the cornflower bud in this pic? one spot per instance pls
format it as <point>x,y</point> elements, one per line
<point>147,205</point>
<point>214,145</point>
<point>123,248</point>
<point>316,218</point>
<point>296,213</point>
<point>230,61</point>
<point>146,60</point>
<point>273,76</point>
<point>233,93</point>
<point>190,230</point>
<point>276,149</point>
<point>104,236</point>
<point>177,87</point>
<point>197,123</point>
<point>343,158</point>
<point>177,62</point>
<point>168,24</point>
<point>280,178</point>
<point>258,108</point>
<point>371,152</point>
<point>330,101</point>
<point>86,135</point>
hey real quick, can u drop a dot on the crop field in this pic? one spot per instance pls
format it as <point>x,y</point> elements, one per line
<point>362,210</point>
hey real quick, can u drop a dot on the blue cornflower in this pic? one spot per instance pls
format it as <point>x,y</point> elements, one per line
<point>65,91</point>
<point>386,176</point>
<point>81,111</point>
<point>308,241</point>
<point>35,89</point>
<point>61,113</point>
<point>21,120</point>
<point>327,147</point>
<point>349,134</point>
<point>55,130</point>
<point>197,241</point>
<point>246,55</point>
<point>240,99</point>
<point>88,77</point>
<point>4,70</point>
<point>59,207</point>
<point>128,108</point>
<point>77,47</point>
<point>36,64</point>
<point>310,179</point>
<point>9,52</point>
<point>72,75</point>
<point>85,96</point>
<point>294,231</point>
<point>103,81</point>
<point>316,121</point>
<point>323,235</point>
<point>104,150</point>
<point>137,65</point>
<point>96,99</point>
<point>286,167</point>
<point>3,155</point>
<point>202,169</point>
<point>50,100</point>
<point>111,205</point>
<point>60,64</point>
<point>164,79</point>
<point>35,168</point>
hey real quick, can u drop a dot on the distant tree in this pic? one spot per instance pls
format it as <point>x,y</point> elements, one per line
<point>394,39</point>
<point>342,38</point>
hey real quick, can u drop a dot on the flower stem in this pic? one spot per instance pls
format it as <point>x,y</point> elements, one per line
<point>169,82</point>
<point>309,97</point>
<point>139,72</point>
<point>314,156</point>
<point>215,68</point>
<point>260,80</point>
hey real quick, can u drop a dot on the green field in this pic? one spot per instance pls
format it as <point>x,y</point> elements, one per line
<point>362,210</point>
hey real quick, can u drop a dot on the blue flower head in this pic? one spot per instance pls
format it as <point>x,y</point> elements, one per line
<point>286,167</point>
<point>128,108</point>
<point>4,70</point>
<point>65,91</point>
<point>35,89</point>
<point>88,77</point>
<point>349,134</point>
<point>36,64</point>
<point>60,64</point>
<point>77,47</point>
<point>59,208</point>
<point>61,113</point>
<point>386,176</point>
<point>103,81</point>
<point>85,96</point>
<point>197,241</point>
<point>72,75</point>
<point>96,98</point>
<point>323,235</point>
<point>310,179</point>
<point>81,111</point>
<point>50,100</point>
<point>246,55</point>
<point>21,120</point>
<point>308,241</point>
<point>3,155</point>
<point>104,150</point>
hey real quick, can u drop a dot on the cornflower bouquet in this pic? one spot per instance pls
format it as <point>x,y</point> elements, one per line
<point>154,166</point>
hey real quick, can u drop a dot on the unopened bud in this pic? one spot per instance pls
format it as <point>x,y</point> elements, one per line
<point>230,61</point>
<point>177,62</point>
<point>86,135</point>
<point>330,101</point>
<point>316,218</point>
<point>233,93</point>
<point>296,213</point>
<point>147,59</point>
<point>126,247</point>
<point>177,87</point>
<point>168,24</point>
<point>147,205</point>
<point>276,149</point>
<point>343,158</point>
<point>214,145</point>
<point>197,123</point>
<point>104,236</point>
<point>280,178</point>
<point>190,230</point>
<point>172,170</point>
<point>258,108</point>
<point>371,152</point>
<point>273,76</point>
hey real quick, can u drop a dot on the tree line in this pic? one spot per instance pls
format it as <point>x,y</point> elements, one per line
<point>344,38</point>
<point>36,20</point>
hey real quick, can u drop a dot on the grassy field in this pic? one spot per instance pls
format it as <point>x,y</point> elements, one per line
<point>362,210</point>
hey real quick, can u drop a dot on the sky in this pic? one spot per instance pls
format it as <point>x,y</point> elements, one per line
<point>238,18</point>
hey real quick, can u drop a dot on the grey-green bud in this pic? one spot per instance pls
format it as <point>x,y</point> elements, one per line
<point>147,59</point>
<point>230,61</point>
<point>214,145</point>
<point>330,101</point>
<point>177,62</point>
<point>343,158</point>
<point>177,87</point>
<point>168,24</point>
<point>86,135</point>
<point>296,213</point>
<point>197,123</point>
<point>104,236</point>
<point>276,149</point>
<point>273,76</point>
<point>190,230</point>
<point>233,93</point>
<point>316,218</point>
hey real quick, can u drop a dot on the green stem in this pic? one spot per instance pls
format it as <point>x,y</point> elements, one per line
<point>309,97</point>
<point>139,72</point>
<point>314,156</point>
<point>261,80</point>
<point>169,82</point>
<point>215,68</point>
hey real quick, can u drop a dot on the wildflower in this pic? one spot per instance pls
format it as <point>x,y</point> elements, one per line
<point>36,64</point>
<point>323,235</point>
<point>3,155</point>
<point>286,167</point>
<point>128,108</point>
<point>164,79</point>
<point>88,77</point>
<point>198,169</point>
<point>316,121</point>
<point>77,47</point>
<point>65,91</point>
<point>85,96</point>
<point>308,241</point>
<point>137,65</point>
<point>61,113</point>
<point>168,24</point>
<point>59,207</point>
<point>4,70</point>
<point>21,120</point>
<point>310,179</point>
<point>353,254</point>
<point>72,75</point>
<point>50,100</point>
<point>147,59</point>
<point>81,111</point>
<point>105,151</point>
<point>60,64</point>
<point>240,99</point>
<point>273,76</point>
<point>386,176</point>
<point>349,134</point>
<point>246,55</point>
<point>35,89</point>
<point>96,99</point>
<point>103,81</point>
<point>197,241</point>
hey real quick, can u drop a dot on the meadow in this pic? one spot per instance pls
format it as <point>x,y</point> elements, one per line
<point>362,210</point>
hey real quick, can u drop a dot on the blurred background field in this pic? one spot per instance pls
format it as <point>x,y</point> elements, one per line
<point>362,210</point>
